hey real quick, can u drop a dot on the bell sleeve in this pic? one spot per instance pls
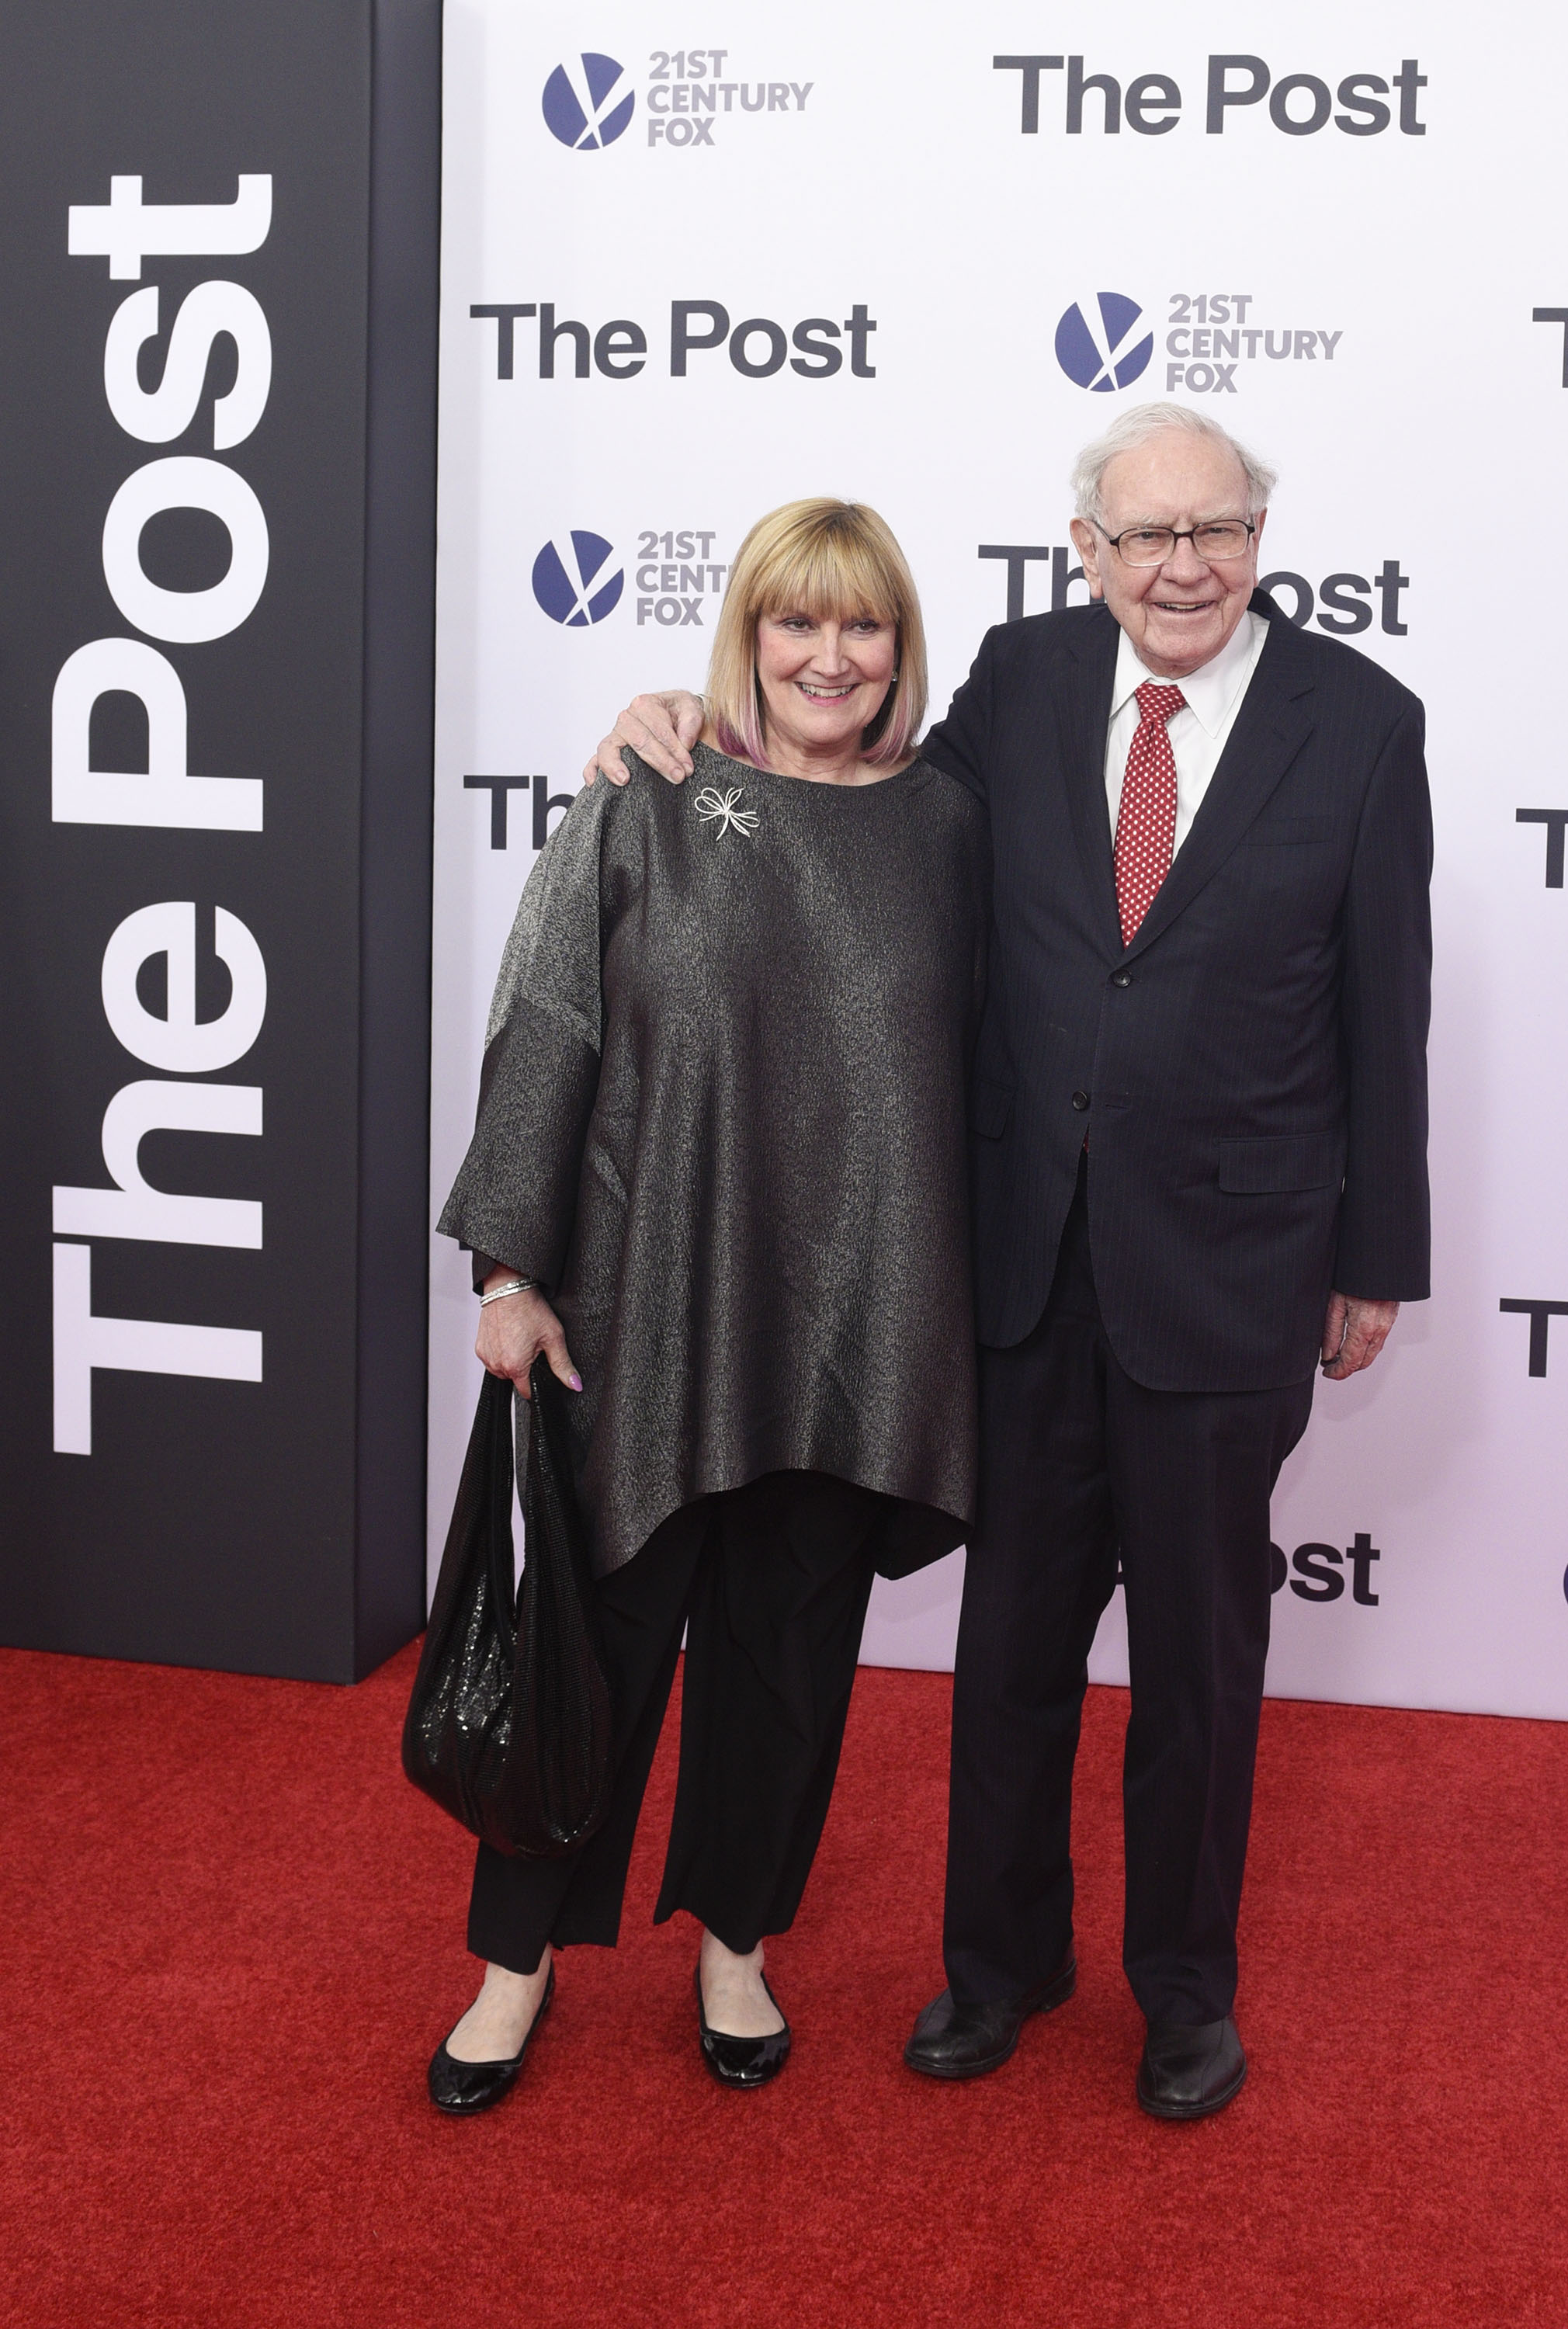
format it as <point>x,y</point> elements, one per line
<point>514,1199</point>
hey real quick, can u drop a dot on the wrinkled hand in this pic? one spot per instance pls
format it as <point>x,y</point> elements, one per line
<point>1354,1332</point>
<point>513,1334</point>
<point>662,728</point>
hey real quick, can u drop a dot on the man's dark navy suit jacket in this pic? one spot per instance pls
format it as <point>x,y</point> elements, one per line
<point>1251,1071</point>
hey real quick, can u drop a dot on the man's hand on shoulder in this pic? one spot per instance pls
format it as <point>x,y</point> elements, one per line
<point>660,728</point>
<point>1354,1332</point>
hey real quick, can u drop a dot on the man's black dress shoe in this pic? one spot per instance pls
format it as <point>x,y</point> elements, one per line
<point>963,2041</point>
<point>465,2088</point>
<point>741,2062</point>
<point>1189,2072</point>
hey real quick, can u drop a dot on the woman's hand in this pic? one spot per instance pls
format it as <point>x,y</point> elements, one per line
<point>515,1330</point>
<point>662,728</point>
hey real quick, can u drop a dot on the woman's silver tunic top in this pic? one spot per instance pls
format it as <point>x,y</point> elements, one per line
<point>722,1119</point>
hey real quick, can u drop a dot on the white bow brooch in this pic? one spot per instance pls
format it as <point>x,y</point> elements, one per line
<point>711,804</point>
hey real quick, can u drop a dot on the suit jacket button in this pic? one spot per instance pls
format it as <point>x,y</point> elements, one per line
<point>1122,978</point>
<point>1080,1101</point>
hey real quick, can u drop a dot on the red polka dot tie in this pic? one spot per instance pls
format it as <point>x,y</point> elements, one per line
<point>1146,820</point>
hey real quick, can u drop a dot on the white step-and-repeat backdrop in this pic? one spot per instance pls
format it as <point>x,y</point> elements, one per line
<point>698,261</point>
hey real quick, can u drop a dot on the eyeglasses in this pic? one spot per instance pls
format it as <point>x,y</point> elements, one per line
<point>1151,545</point>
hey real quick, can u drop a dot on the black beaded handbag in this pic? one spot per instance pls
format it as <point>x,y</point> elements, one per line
<point>508,1727</point>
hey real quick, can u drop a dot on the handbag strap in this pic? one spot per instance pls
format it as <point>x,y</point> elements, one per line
<point>502,1397</point>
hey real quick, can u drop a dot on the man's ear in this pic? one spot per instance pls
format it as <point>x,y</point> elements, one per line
<point>1086,543</point>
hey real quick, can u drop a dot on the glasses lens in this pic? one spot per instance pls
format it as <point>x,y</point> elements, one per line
<point>1226,540</point>
<point>1147,545</point>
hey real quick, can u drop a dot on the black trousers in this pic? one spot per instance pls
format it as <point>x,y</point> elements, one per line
<point>1078,1463</point>
<point>771,1582</point>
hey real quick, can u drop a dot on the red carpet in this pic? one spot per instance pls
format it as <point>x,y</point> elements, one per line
<point>233,1935</point>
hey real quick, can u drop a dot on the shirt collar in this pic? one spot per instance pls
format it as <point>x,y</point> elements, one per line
<point>1212,689</point>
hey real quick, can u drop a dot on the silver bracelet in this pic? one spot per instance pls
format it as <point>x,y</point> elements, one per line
<point>512,1286</point>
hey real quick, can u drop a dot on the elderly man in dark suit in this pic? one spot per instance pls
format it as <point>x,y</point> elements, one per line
<point>1199,1118</point>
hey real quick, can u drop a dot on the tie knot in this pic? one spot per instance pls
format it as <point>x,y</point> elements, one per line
<point>1156,702</point>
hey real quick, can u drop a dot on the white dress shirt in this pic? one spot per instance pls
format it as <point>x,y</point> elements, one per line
<point>1198,731</point>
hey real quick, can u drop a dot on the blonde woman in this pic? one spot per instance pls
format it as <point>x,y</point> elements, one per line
<point>718,1179</point>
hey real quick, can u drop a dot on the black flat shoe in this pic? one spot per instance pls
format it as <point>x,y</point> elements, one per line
<point>741,2062</point>
<point>1190,2073</point>
<point>465,2088</point>
<point>964,2041</point>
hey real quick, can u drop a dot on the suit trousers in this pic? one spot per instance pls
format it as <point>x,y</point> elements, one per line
<point>771,1582</point>
<point>1080,1465</point>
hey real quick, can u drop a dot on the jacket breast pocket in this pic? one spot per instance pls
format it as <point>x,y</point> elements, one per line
<point>1268,1168</point>
<point>990,1108</point>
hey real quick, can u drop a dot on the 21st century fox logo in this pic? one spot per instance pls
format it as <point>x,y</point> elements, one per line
<point>589,99</point>
<point>1104,342</point>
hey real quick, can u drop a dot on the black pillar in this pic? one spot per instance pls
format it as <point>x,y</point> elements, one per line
<point>217,538</point>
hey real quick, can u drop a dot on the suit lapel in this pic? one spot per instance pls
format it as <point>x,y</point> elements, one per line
<point>1275,721</point>
<point>1084,714</point>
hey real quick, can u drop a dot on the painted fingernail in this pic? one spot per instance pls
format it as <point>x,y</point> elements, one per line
<point>576,1381</point>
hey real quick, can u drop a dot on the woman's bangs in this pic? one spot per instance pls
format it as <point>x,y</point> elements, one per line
<point>833,581</point>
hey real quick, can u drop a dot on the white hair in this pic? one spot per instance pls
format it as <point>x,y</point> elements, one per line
<point>1136,428</point>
